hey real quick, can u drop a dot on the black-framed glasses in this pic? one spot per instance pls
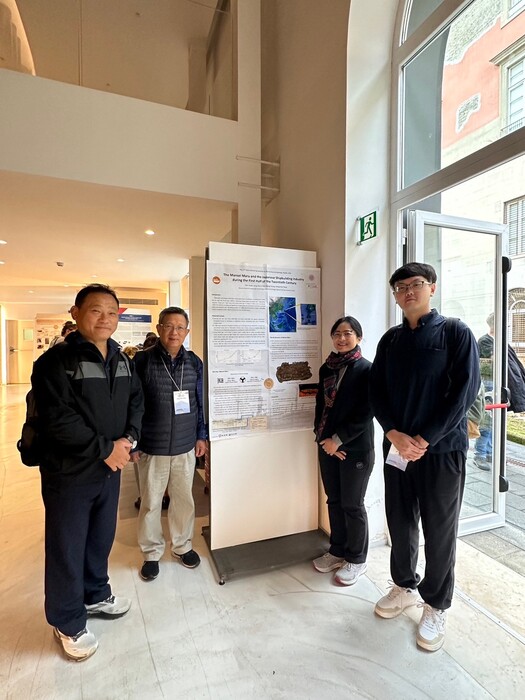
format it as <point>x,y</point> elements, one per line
<point>413,286</point>
<point>170,327</point>
<point>343,334</point>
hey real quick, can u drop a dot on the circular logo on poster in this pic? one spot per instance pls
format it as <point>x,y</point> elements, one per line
<point>216,279</point>
<point>268,383</point>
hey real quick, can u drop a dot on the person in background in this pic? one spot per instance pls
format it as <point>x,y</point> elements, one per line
<point>424,378</point>
<point>173,435</point>
<point>516,384</point>
<point>345,436</point>
<point>67,328</point>
<point>90,405</point>
<point>130,351</point>
<point>150,340</point>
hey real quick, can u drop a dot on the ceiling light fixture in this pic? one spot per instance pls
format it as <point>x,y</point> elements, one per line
<point>120,260</point>
<point>93,276</point>
<point>2,262</point>
<point>30,291</point>
<point>2,242</point>
<point>149,232</point>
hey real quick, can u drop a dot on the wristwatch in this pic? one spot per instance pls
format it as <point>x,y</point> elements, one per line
<point>132,440</point>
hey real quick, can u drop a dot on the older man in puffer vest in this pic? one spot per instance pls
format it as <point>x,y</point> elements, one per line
<point>173,435</point>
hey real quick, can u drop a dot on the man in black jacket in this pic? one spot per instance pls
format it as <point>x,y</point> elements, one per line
<point>90,405</point>
<point>173,434</point>
<point>423,380</point>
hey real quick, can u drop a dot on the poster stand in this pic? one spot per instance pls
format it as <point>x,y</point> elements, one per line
<point>267,555</point>
<point>264,485</point>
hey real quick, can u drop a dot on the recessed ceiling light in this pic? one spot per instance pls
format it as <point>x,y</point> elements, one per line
<point>93,276</point>
<point>120,260</point>
<point>149,232</point>
<point>2,262</point>
<point>3,242</point>
<point>30,291</point>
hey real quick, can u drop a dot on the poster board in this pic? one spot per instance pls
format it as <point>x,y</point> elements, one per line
<point>264,481</point>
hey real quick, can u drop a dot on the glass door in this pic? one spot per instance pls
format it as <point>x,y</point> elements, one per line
<point>468,258</point>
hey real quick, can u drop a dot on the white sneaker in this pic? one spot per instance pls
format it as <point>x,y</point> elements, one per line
<point>431,628</point>
<point>348,574</point>
<point>395,601</point>
<point>111,607</point>
<point>327,563</point>
<point>79,647</point>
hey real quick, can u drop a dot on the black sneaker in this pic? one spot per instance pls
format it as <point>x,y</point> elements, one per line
<point>149,571</point>
<point>189,559</point>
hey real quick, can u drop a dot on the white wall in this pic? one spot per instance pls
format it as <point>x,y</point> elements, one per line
<point>304,116</point>
<point>324,187</point>
<point>65,131</point>
<point>368,266</point>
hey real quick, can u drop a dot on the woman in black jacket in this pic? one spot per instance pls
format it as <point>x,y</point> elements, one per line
<point>345,436</point>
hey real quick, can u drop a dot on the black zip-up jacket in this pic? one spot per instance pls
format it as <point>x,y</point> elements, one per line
<point>84,403</point>
<point>351,417</point>
<point>420,386</point>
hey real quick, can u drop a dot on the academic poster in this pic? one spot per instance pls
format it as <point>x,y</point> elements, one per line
<point>264,348</point>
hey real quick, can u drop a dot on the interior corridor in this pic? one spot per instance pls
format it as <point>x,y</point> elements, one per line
<point>283,634</point>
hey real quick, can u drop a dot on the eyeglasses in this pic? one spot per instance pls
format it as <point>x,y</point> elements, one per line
<point>343,334</point>
<point>170,327</point>
<point>413,286</point>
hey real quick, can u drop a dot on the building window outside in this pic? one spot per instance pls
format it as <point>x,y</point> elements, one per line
<point>515,7</point>
<point>516,96</point>
<point>517,320</point>
<point>515,218</point>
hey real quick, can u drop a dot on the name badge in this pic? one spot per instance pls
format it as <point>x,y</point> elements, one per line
<point>181,402</point>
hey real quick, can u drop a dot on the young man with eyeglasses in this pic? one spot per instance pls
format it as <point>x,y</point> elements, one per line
<point>424,378</point>
<point>173,435</point>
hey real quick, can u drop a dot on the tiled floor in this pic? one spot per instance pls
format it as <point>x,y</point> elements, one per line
<point>504,544</point>
<point>283,634</point>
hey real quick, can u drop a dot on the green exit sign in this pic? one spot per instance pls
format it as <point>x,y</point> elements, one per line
<point>367,227</point>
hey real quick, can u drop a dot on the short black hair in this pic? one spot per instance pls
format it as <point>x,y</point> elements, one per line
<point>413,269</point>
<point>173,310</point>
<point>94,289</point>
<point>353,322</point>
<point>68,325</point>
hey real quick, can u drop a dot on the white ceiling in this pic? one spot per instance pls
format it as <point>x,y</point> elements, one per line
<point>86,226</point>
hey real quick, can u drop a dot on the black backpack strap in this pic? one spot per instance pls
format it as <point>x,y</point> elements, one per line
<point>451,331</point>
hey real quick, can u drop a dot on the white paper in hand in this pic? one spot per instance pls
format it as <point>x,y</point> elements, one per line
<point>394,458</point>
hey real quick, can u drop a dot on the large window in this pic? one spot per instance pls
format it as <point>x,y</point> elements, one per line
<point>459,115</point>
<point>455,100</point>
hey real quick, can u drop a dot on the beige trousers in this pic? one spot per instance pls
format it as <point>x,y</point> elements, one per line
<point>157,472</point>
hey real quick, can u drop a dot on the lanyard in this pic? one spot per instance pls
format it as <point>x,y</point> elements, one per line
<point>171,376</point>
